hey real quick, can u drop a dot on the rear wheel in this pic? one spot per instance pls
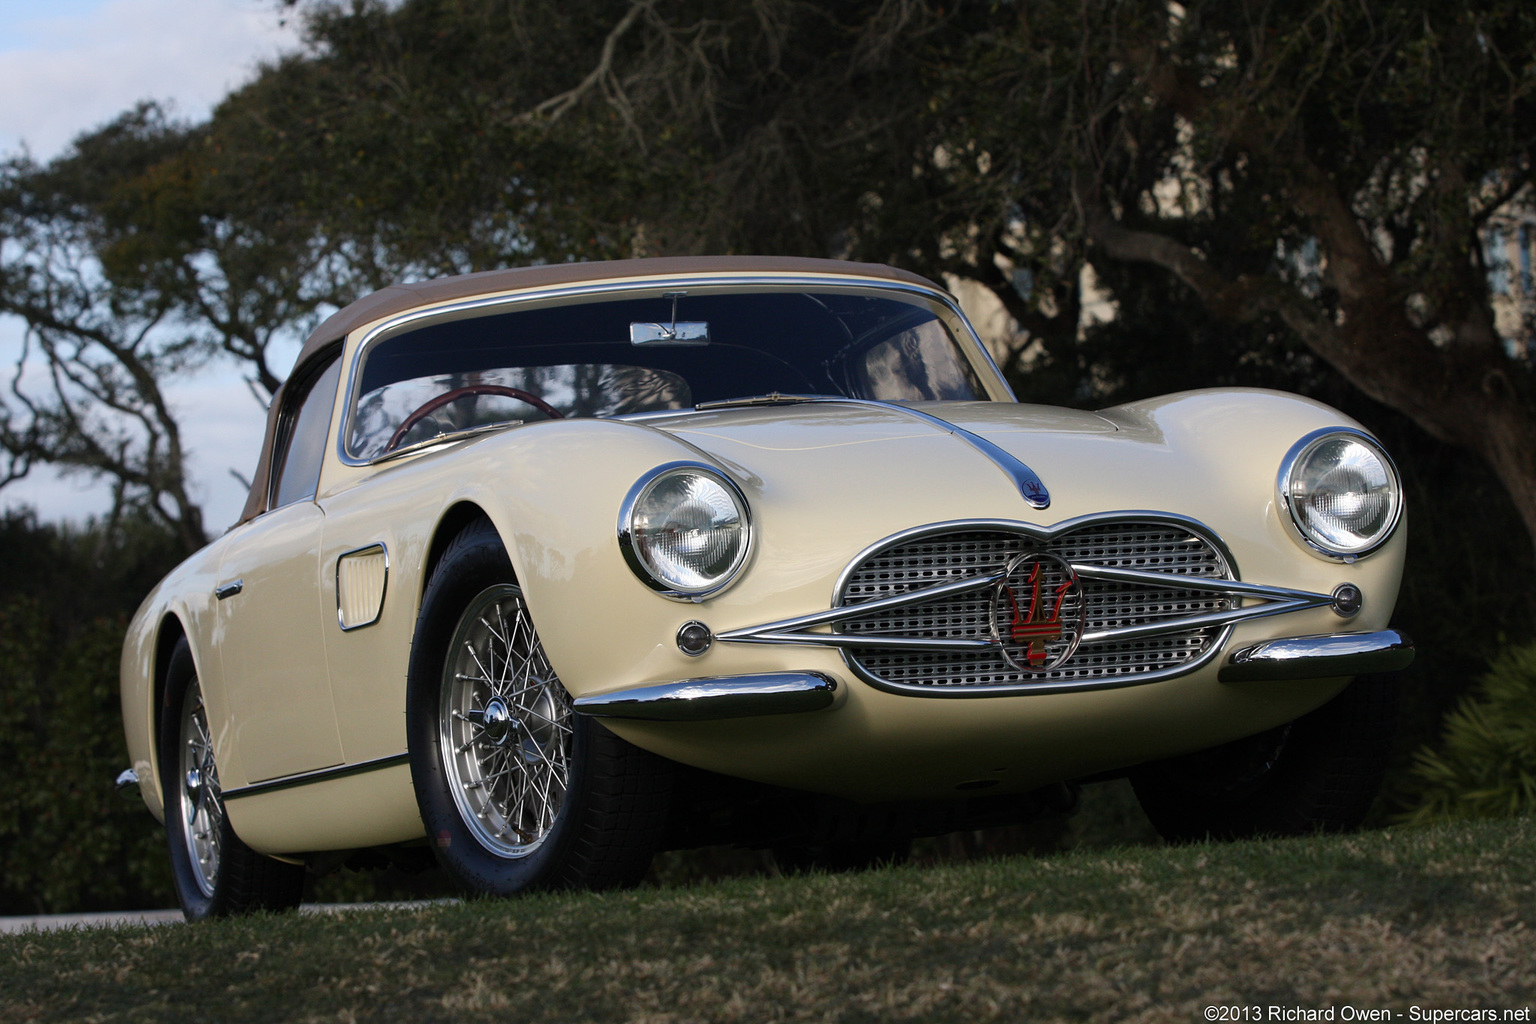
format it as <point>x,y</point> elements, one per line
<point>516,790</point>
<point>1316,774</point>
<point>216,874</point>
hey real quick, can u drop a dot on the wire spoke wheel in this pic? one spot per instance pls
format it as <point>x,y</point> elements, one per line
<point>516,791</point>
<point>504,726</point>
<point>202,809</point>
<point>215,874</point>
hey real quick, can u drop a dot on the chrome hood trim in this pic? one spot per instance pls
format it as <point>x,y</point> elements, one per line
<point>1024,479</point>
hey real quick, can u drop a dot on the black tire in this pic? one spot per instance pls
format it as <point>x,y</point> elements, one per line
<point>216,874</point>
<point>1316,774</point>
<point>516,791</point>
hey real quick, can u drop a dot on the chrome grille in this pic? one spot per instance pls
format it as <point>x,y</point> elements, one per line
<point>927,561</point>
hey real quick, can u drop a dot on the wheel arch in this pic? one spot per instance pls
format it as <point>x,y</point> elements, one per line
<point>452,523</point>
<point>171,631</point>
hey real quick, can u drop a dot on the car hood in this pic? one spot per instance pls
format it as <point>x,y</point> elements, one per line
<point>883,458</point>
<point>1204,455</point>
<point>800,427</point>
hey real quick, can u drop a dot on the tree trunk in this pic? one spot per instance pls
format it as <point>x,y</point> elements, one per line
<point>1466,390</point>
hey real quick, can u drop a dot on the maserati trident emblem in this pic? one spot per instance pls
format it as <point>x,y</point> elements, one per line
<point>1038,612</point>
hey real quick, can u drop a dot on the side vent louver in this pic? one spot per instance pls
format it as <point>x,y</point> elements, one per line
<point>361,577</point>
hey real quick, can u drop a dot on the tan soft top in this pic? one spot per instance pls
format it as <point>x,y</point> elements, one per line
<point>397,298</point>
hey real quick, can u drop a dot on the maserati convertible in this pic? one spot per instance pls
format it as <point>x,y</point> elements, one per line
<point>545,570</point>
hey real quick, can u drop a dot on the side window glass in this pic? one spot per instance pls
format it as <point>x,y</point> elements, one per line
<point>300,476</point>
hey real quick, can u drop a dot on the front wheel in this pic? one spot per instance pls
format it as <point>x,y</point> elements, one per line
<point>216,874</point>
<point>1316,774</point>
<point>517,792</point>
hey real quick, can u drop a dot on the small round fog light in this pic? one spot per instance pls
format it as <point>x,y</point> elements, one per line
<point>1347,599</point>
<point>694,638</point>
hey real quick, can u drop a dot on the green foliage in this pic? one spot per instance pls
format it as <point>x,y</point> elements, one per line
<point>68,841</point>
<point>1485,766</point>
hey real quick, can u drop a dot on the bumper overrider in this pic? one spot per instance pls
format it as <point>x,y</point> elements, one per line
<point>992,608</point>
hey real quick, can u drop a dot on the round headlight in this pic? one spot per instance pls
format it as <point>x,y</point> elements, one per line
<point>684,530</point>
<point>1342,491</point>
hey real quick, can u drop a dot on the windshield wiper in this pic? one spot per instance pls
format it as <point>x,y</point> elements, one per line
<point>443,438</point>
<point>771,398</point>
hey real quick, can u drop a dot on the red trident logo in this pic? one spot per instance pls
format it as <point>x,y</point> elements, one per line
<point>1038,604</point>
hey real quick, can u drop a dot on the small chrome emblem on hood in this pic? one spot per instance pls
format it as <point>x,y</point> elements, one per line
<point>1038,612</point>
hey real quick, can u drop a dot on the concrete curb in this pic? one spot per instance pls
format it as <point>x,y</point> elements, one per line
<point>140,918</point>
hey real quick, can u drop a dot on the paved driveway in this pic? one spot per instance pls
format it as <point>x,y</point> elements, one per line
<point>54,922</point>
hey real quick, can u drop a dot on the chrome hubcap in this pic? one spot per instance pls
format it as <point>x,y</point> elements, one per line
<point>496,722</point>
<point>505,726</point>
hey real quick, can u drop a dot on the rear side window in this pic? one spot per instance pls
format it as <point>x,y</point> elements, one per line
<point>306,431</point>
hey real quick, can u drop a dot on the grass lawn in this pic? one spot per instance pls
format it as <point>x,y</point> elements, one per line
<point>1437,918</point>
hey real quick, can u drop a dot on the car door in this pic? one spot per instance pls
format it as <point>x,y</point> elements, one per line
<point>270,618</point>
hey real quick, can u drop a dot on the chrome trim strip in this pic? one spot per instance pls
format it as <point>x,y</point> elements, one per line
<point>746,634</point>
<point>844,641</point>
<point>1283,492</point>
<point>1279,600</point>
<point>1276,607</point>
<point>1319,657</point>
<point>709,699</point>
<point>631,284</point>
<point>787,631</point>
<point>637,564</point>
<point>230,589</point>
<point>340,771</point>
<point>1042,533</point>
<point>383,590</point>
<point>1024,479</point>
<point>1208,583</point>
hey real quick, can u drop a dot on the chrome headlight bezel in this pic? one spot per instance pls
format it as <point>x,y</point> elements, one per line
<point>636,551</point>
<point>1295,462</point>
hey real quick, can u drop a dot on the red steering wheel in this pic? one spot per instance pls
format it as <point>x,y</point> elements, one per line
<point>435,403</point>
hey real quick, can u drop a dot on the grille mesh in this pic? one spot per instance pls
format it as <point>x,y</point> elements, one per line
<point>941,558</point>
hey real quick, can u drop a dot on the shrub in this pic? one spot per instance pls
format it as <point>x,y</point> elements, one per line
<point>1485,766</point>
<point>68,842</point>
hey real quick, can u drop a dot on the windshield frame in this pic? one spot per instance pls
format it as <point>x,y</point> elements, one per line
<point>968,343</point>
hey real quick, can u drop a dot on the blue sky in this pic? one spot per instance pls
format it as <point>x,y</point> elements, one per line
<point>67,66</point>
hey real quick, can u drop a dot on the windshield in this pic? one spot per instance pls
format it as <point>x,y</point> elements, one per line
<point>618,356</point>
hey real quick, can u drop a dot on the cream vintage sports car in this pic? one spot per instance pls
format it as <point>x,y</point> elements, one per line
<point>547,569</point>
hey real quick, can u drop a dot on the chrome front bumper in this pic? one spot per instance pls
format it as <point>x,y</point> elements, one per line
<point>784,693</point>
<point>703,700</point>
<point>1319,657</point>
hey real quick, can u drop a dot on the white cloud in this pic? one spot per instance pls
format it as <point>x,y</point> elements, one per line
<point>67,67</point>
